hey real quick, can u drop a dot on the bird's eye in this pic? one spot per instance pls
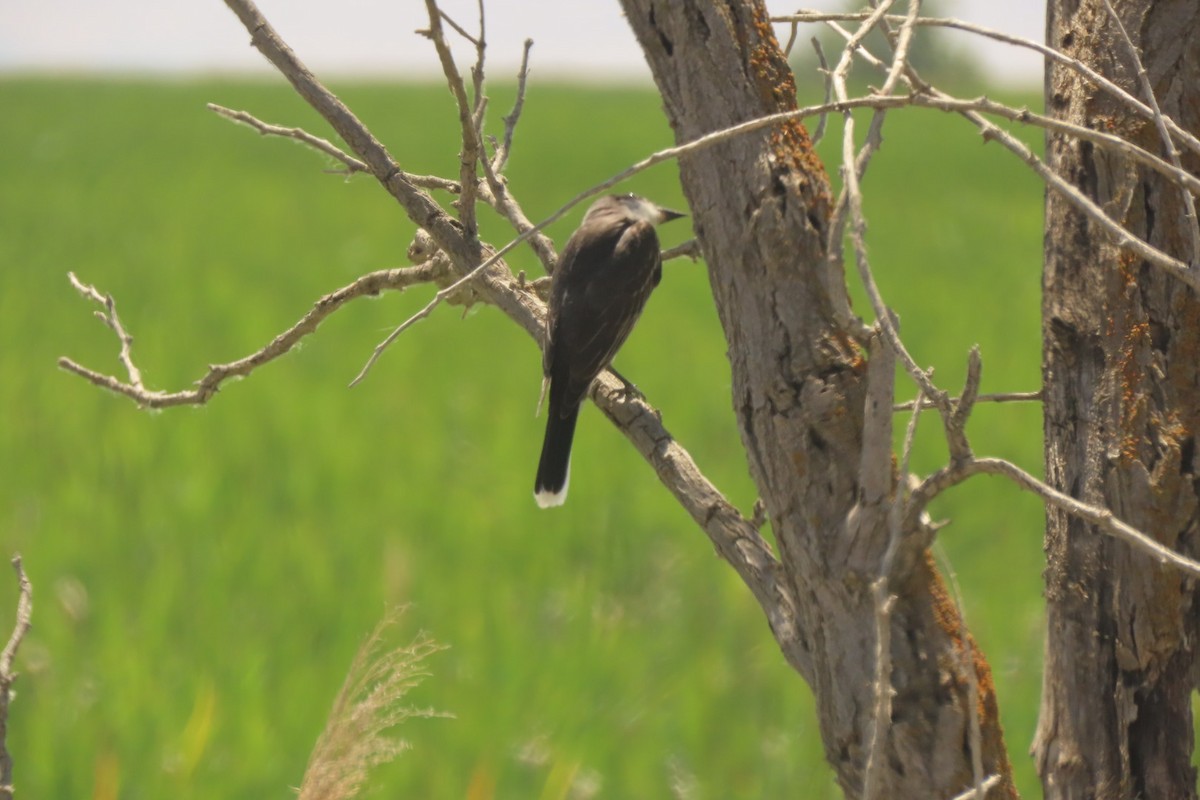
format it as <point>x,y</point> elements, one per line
<point>631,196</point>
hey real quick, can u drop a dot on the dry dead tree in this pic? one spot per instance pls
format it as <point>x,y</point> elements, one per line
<point>814,384</point>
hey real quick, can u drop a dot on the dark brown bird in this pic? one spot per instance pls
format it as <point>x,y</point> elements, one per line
<point>607,270</point>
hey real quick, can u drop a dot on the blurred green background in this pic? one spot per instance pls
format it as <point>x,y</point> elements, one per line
<point>204,575</point>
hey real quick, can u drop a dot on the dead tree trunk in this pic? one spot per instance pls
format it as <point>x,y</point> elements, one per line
<point>761,206</point>
<point>1122,410</point>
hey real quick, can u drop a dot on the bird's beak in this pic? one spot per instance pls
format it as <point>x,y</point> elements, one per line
<point>666,214</point>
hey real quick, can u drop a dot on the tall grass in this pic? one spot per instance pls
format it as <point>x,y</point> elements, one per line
<point>209,572</point>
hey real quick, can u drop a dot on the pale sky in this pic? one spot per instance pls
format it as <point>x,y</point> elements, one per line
<point>572,38</point>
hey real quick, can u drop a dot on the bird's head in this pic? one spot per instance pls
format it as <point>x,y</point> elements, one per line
<point>636,207</point>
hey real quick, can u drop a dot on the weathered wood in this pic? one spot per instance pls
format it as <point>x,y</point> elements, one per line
<point>761,206</point>
<point>1121,370</point>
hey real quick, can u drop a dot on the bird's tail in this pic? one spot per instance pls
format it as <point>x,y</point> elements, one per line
<point>554,468</point>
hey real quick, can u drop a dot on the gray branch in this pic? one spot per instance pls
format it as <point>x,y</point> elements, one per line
<point>8,675</point>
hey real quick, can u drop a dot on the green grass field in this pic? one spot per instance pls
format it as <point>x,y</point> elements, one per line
<point>204,576</point>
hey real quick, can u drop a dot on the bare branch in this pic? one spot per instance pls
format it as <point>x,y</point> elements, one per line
<point>8,676</point>
<point>471,146</point>
<point>418,205</point>
<point>398,181</point>
<point>353,165</point>
<point>459,29</point>
<point>853,168</point>
<point>1137,106</point>
<point>510,122</point>
<point>791,41</point>
<point>371,284</point>
<point>299,134</point>
<point>725,134</point>
<point>956,423</point>
<point>1122,237</point>
<point>1102,518</point>
<point>902,42</point>
<point>480,99</point>
<point>736,539</point>
<point>442,295</point>
<point>496,192</point>
<point>110,318</point>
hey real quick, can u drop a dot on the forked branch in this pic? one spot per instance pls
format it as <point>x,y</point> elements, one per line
<point>367,286</point>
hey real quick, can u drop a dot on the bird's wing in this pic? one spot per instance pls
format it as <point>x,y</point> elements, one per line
<point>555,303</point>
<point>600,304</point>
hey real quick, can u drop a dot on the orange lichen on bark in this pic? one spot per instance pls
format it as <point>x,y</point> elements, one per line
<point>1134,333</point>
<point>948,619</point>
<point>790,142</point>
<point>1133,401</point>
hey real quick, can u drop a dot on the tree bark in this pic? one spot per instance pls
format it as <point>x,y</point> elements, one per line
<point>761,206</point>
<point>1121,372</point>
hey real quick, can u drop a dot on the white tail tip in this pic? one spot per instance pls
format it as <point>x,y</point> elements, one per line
<point>550,499</point>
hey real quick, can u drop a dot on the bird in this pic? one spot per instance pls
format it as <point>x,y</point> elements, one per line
<point>606,272</point>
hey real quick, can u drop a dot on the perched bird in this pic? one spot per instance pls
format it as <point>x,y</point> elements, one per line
<point>604,276</point>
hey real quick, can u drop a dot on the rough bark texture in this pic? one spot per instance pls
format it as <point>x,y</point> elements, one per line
<point>1122,409</point>
<point>760,206</point>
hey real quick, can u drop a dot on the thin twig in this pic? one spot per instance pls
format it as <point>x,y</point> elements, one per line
<point>998,397</point>
<point>1189,216</point>
<point>497,195</point>
<point>299,134</point>
<point>791,40</point>
<point>854,166</point>
<point>1104,519</point>
<point>827,81</point>
<point>110,318</point>
<point>368,285</point>
<point>479,98</point>
<point>471,145</point>
<point>510,121</point>
<point>353,165</point>
<point>496,191</point>
<point>956,423</point>
<point>8,675</point>
<point>442,294</point>
<point>903,42</point>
